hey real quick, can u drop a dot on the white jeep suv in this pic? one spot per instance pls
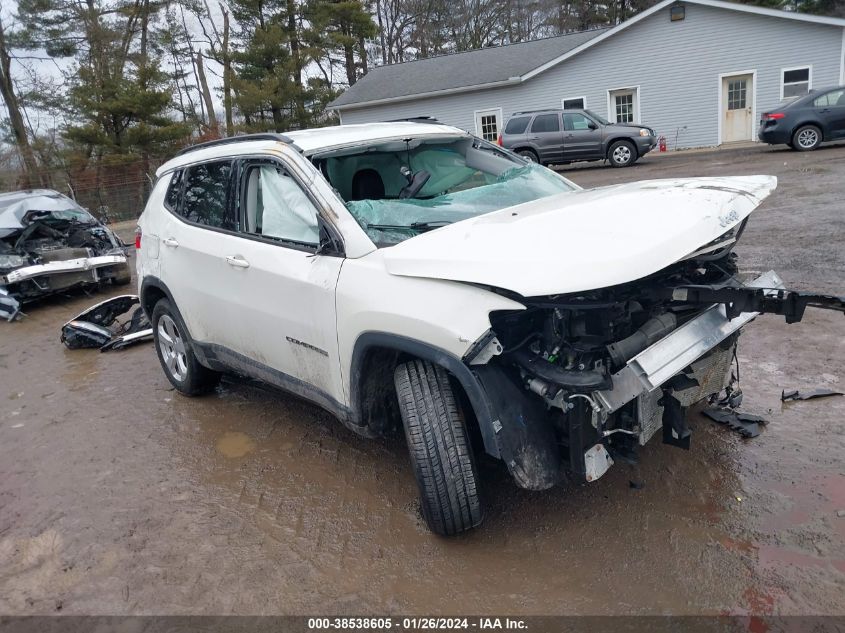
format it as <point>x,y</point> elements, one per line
<point>411,274</point>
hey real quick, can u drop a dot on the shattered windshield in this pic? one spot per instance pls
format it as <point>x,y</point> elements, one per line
<point>17,211</point>
<point>399,190</point>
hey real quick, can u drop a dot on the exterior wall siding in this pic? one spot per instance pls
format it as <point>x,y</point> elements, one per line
<point>676,66</point>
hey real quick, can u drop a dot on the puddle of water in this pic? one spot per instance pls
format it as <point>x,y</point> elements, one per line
<point>234,444</point>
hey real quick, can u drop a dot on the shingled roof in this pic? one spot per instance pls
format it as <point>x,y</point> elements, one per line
<point>511,64</point>
<point>480,67</point>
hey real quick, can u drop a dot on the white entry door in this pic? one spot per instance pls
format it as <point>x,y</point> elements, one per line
<point>624,105</point>
<point>488,124</point>
<point>737,111</point>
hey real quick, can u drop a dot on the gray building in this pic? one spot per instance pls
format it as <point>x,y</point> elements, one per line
<point>699,72</point>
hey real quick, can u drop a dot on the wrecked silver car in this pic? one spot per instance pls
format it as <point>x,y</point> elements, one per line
<point>48,244</point>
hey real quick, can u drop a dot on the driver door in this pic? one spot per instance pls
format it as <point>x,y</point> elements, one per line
<point>281,292</point>
<point>580,140</point>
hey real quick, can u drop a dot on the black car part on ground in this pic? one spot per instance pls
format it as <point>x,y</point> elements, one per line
<point>100,326</point>
<point>795,394</point>
<point>562,350</point>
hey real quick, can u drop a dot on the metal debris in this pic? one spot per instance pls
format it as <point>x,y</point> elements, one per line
<point>795,394</point>
<point>100,325</point>
<point>746,424</point>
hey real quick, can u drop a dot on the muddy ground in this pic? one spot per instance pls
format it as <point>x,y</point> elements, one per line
<point>119,496</point>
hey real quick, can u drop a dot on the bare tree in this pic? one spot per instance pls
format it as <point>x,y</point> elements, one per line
<point>16,119</point>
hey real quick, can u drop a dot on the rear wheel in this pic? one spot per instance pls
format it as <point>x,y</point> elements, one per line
<point>806,138</point>
<point>622,154</point>
<point>176,353</point>
<point>529,154</point>
<point>440,451</point>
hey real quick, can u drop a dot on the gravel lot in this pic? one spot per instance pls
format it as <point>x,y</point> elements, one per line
<point>118,496</point>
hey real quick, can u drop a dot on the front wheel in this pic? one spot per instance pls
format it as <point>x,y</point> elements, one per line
<point>176,353</point>
<point>440,451</point>
<point>622,154</point>
<point>806,138</point>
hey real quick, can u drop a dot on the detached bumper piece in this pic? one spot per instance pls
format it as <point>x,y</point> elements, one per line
<point>100,326</point>
<point>80,264</point>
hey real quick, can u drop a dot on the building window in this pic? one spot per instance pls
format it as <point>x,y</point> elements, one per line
<point>488,123</point>
<point>795,82</point>
<point>574,103</point>
<point>737,94</point>
<point>677,12</point>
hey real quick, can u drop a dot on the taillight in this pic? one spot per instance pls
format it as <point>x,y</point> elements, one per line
<point>137,238</point>
<point>773,116</point>
<point>499,141</point>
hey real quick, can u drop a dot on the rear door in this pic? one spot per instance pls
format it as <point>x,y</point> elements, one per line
<point>580,141</point>
<point>547,136</point>
<point>830,108</point>
<point>192,237</point>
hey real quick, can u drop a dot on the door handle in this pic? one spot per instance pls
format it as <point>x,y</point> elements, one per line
<point>169,241</point>
<point>237,261</point>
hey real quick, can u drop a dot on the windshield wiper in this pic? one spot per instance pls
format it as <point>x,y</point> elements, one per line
<point>418,227</point>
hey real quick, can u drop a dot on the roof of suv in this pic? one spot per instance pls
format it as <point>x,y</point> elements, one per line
<point>310,141</point>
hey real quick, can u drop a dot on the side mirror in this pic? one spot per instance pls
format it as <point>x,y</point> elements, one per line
<point>592,125</point>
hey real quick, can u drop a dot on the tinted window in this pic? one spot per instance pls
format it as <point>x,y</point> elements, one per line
<point>545,123</point>
<point>517,126</point>
<point>276,206</point>
<point>835,98</point>
<point>205,197</point>
<point>575,122</point>
<point>174,189</point>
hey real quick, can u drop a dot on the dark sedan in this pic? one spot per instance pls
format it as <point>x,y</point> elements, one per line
<point>806,122</point>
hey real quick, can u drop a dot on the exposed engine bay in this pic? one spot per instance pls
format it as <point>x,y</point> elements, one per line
<point>577,380</point>
<point>49,244</point>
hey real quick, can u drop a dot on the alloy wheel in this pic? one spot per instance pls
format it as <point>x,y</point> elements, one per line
<point>622,155</point>
<point>172,347</point>
<point>808,138</point>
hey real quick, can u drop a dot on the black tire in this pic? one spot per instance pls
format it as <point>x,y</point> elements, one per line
<point>806,138</point>
<point>122,275</point>
<point>440,450</point>
<point>176,353</point>
<point>529,154</point>
<point>622,154</point>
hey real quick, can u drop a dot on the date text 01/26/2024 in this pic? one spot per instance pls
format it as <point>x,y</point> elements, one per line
<point>416,624</point>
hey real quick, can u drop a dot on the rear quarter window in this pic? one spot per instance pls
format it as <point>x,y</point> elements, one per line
<point>174,192</point>
<point>517,125</point>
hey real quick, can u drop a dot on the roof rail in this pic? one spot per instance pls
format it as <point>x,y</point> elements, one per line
<point>542,110</point>
<point>411,119</point>
<point>262,136</point>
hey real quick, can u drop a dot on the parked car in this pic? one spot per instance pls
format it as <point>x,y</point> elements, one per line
<point>806,122</point>
<point>48,244</point>
<point>411,275</point>
<point>562,136</point>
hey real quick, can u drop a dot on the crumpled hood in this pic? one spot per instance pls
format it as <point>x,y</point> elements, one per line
<point>583,240</point>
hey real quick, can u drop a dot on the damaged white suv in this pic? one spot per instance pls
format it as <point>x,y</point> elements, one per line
<point>410,273</point>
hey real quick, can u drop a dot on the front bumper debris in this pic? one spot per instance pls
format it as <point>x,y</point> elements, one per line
<point>81,264</point>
